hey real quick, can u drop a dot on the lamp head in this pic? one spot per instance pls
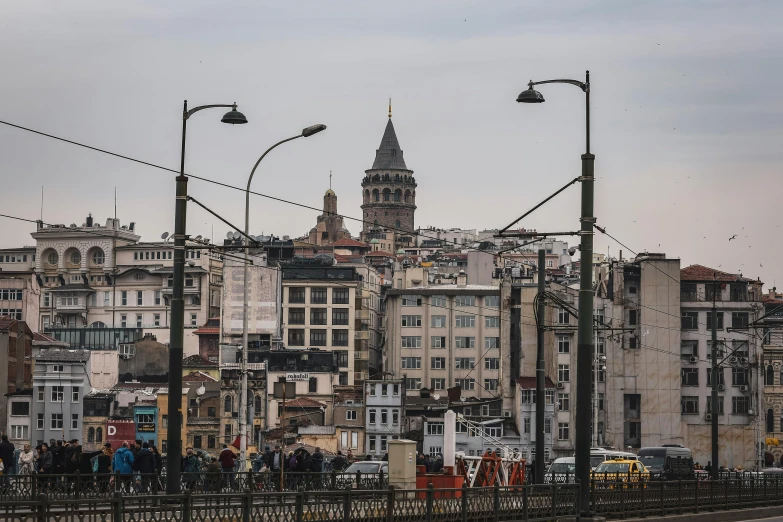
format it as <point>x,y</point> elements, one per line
<point>530,95</point>
<point>234,117</point>
<point>313,129</point>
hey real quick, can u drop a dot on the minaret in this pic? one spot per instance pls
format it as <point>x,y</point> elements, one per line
<point>389,188</point>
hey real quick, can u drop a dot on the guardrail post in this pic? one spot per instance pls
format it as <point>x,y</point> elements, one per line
<point>347,504</point>
<point>430,498</point>
<point>623,491</point>
<point>464,502</point>
<point>593,498</point>
<point>554,501</point>
<point>247,504</point>
<point>725,492</point>
<point>643,495</point>
<point>764,478</point>
<point>663,504</point>
<point>525,503</point>
<point>496,501</point>
<point>358,479</point>
<point>78,485</point>
<point>334,480</point>
<point>390,504</point>
<point>42,508</point>
<point>380,480</point>
<point>34,486</point>
<point>696,494</point>
<point>753,489</point>
<point>117,505</point>
<point>299,505</point>
<point>186,506</point>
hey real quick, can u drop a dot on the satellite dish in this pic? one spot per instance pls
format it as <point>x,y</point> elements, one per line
<point>191,263</point>
<point>201,390</point>
<point>436,396</point>
<point>164,235</point>
<point>462,399</point>
<point>229,235</point>
<point>198,238</point>
<point>236,235</point>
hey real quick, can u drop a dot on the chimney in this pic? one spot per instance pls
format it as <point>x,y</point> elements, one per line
<point>89,220</point>
<point>132,226</point>
<point>462,279</point>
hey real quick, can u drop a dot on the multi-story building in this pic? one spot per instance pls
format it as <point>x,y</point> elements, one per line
<point>385,404</point>
<point>439,336</point>
<point>97,409</point>
<point>772,367</point>
<point>451,238</point>
<point>349,419</point>
<point>79,279</point>
<point>16,342</point>
<point>19,417</point>
<point>553,430</point>
<point>59,386</point>
<point>162,428</point>
<point>327,307</point>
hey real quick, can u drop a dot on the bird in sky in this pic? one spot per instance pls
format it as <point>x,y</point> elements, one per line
<point>733,237</point>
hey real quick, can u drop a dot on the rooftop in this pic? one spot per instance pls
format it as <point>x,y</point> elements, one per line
<point>379,253</point>
<point>316,430</point>
<point>389,154</point>
<point>198,377</point>
<point>348,243</point>
<point>304,402</point>
<point>529,383</point>
<point>62,355</point>
<point>197,361</point>
<point>706,274</point>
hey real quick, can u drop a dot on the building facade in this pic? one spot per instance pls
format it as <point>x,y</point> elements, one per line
<point>772,371</point>
<point>329,226</point>
<point>385,400</point>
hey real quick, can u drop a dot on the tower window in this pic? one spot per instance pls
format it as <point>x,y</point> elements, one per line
<point>397,223</point>
<point>386,194</point>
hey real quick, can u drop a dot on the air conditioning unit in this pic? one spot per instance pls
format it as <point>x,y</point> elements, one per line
<point>560,385</point>
<point>708,417</point>
<point>721,387</point>
<point>743,388</point>
<point>507,414</point>
<point>693,359</point>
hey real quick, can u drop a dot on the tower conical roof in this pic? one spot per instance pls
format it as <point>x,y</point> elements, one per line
<point>389,154</point>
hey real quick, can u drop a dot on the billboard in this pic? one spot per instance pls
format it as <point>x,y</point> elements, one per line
<point>262,297</point>
<point>119,431</point>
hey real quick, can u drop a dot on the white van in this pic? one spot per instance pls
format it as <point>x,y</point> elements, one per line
<point>562,470</point>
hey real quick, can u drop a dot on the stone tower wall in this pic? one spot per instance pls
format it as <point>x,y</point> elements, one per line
<point>400,205</point>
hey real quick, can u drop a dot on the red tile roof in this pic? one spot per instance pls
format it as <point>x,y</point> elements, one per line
<point>198,362</point>
<point>198,377</point>
<point>304,402</point>
<point>703,273</point>
<point>347,259</point>
<point>208,330</point>
<point>378,253</point>
<point>6,322</point>
<point>529,383</point>
<point>348,243</point>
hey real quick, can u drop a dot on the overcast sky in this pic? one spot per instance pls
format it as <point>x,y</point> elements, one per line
<point>687,114</point>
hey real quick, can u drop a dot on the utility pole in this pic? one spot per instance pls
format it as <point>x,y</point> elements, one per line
<point>715,382</point>
<point>540,370</point>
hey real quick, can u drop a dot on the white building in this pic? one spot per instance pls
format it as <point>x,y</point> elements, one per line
<point>385,402</point>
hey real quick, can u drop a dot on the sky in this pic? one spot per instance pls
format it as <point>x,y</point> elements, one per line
<point>685,106</point>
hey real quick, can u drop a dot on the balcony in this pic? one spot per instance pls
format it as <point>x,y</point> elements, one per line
<point>363,314</point>
<point>362,335</point>
<point>360,376</point>
<point>361,356</point>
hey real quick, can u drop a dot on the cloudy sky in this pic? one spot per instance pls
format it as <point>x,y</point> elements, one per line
<point>686,112</point>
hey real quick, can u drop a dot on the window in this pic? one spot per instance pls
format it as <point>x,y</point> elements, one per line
<point>211,411</point>
<point>318,316</point>
<point>188,281</point>
<point>526,425</point>
<point>739,319</point>
<point>156,319</point>
<point>58,368</point>
<point>395,417</point>
<point>384,390</point>
<point>465,342</point>
<point>633,317</point>
<point>740,405</point>
<point>20,408</point>
<point>18,431</point>
<point>56,422</point>
<point>318,296</point>
<point>411,320</point>
<point>465,321</point>
<point>491,363</point>
<point>312,385</point>
<point>719,323</point>
<point>339,337</point>
<point>464,363</point>
<point>411,300</point>
<point>490,384</point>
<point>562,431</point>
<point>350,415</point>
<point>124,298</point>
<point>139,320</point>
<point>563,344</point>
<point>563,402</point>
<point>384,439</point>
<point>57,393</point>
<point>40,394</point>
<point>438,300</point>
<point>739,376</point>
<point>211,441</point>
<point>720,405</point>
<point>563,317</point>
<point>372,416</point>
<point>296,337</point>
<point>75,394</point>
<point>47,299</point>
<point>296,316</point>
<point>139,298</point>
<point>492,301</point>
<point>157,297</point>
<point>339,316</point>
<point>411,341</point>
<point>465,300</point>
<point>413,384</point>
<point>227,404</point>
<point>39,422</point>
<point>340,296</point>
<point>689,348</point>
<point>492,322</point>
<point>438,384</point>
<point>467,384</point>
<point>690,376</point>
<point>721,379</point>
<point>372,442</point>
<point>296,295</point>
<point>563,373</point>
<point>689,405</point>
<point>548,426</point>
<point>197,441</point>
<point>164,421</point>
<point>384,416</point>
<point>318,337</point>
<point>437,342</point>
<point>491,342</point>
<point>438,321</point>
<point>689,321</point>
<point>434,428</point>
<point>193,319</point>
<point>342,358</point>
<point>411,363</point>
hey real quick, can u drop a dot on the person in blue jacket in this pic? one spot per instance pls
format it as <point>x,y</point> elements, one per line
<point>122,464</point>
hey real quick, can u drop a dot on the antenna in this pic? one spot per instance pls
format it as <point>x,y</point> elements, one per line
<point>42,203</point>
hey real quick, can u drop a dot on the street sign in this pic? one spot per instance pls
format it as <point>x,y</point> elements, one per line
<point>301,376</point>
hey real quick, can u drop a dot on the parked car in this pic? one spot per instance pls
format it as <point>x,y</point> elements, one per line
<point>621,473</point>
<point>561,471</point>
<point>668,462</point>
<point>368,471</point>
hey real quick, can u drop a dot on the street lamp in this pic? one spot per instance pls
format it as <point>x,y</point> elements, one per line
<point>306,132</point>
<point>585,333</point>
<point>174,441</point>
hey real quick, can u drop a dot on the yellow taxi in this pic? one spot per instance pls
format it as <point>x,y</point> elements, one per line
<point>621,472</point>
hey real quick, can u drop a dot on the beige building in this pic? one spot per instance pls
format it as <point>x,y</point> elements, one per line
<point>19,288</point>
<point>439,336</point>
<point>773,373</point>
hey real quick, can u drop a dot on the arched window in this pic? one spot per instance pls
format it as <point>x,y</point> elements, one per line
<point>397,195</point>
<point>770,421</point>
<point>98,257</point>
<point>91,435</point>
<point>227,404</point>
<point>407,196</point>
<point>386,194</point>
<point>367,195</point>
<point>375,195</point>
<point>98,434</point>
<point>769,378</point>
<point>397,223</point>
<point>257,405</point>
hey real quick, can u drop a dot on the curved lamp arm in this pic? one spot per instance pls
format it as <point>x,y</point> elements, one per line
<point>189,113</point>
<point>582,85</point>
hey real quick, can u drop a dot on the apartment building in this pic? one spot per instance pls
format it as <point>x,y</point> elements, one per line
<point>16,341</point>
<point>385,400</point>
<point>772,367</point>
<point>439,336</point>
<point>19,289</point>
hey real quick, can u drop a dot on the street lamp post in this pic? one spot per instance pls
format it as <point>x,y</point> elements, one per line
<point>174,440</point>
<point>584,356</point>
<point>243,405</point>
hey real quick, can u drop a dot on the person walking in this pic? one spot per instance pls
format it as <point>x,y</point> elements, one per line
<point>227,460</point>
<point>192,467</point>
<point>338,463</point>
<point>213,476</point>
<point>144,465</point>
<point>104,467</point>
<point>122,464</point>
<point>7,456</point>
<point>26,461</point>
